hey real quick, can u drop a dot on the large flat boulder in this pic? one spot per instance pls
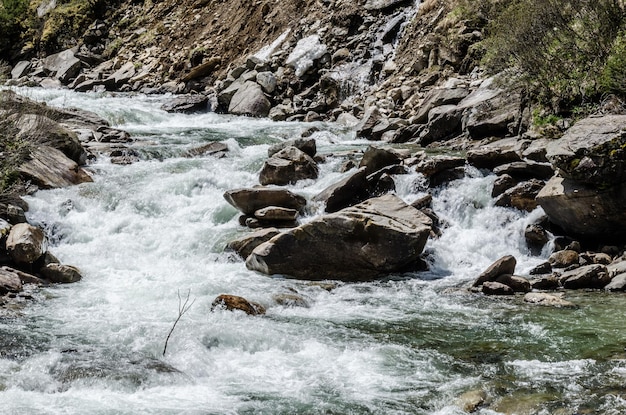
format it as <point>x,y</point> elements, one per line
<point>362,242</point>
<point>49,168</point>
<point>249,201</point>
<point>26,243</point>
<point>250,100</point>
<point>583,209</point>
<point>63,65</point>
<point>593,151</point>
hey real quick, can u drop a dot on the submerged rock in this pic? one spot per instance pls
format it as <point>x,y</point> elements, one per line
<point>245,244</point>
<point>548,300</point>
<point>249,201</point>
<point>60,273</point>
<point>376,237</point>
<point>9,282</point>
<point>234,302</point>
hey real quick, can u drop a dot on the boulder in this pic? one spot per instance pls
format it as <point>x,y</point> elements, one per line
<point>214,148</point>
<point>618,283</point>
<point>290,300</point>
<point>436,164</point>
<point>491,156</point>
<point>42,130</point>
<point>548,300</point>
<point>267,81</point>
<point>370,119</point>
<point>502,184</point>
<point>443,123</point>
<point>50,168</point>
<point>234,302</point>
<point>26,243</point>
<point>306,145</point>
<point>375,158</point>
<point>250,100</point>
<point>563,259</point>
<point>204,69</point>
<point>526,169</point>
<point>536,237</point>
<point>250,200</point>
<point>276,213</point>
<point>521,196</point>
<point>63,65</point>
<point>245,244</point>
<point>589,211</point>
<point>517,284</point>
<point>593,151</point>
<point>496,288</point>
<point>20,69</point>
<point>9,282</point>
<point>503,266</point>
<point>58,273</point>
<point>352,189</point>
<point>618,267</point>
<point>288,166</point>
<point>188,104</point>
<point>545,282</point>
<point>437,97</point>
<point>374,238</point>
<point>470,401</point>
<point>124,74</point>
<point>588,276</point>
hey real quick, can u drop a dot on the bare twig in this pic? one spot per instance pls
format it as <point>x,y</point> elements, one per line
<point>183,307</point>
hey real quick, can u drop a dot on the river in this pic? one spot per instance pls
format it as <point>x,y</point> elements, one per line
<point>145,233</point>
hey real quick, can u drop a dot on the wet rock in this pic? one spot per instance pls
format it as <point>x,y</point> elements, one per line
<point>375,158</point>
<point>244,245</point>
<point>25,277</point>
<point>370,119</point>
<point>306,145</point>
<point>443,123</point>
<point>362,242</point>
<point>250,200</point>
<point>276,213</point>
<point>491,156</point>
<point>563,259</point>
<point>349,191</point>
<point>470,401</point>
<point>616,268</point>
<point>212,149</point>
<point>267,81</point>
<point>423,202</point>
<point>288,166</point>
<point>26,243</point>
<point>58,273</point>
<point>589,276</point>
<point>548,300</point>
<point>496,288</point>
<point>503,266</point>
<point>502,184</point>
<point>521,196</point>
<point>9,282</point>
<point>536,237</point>
<point>291,300</point>
<point>545,282</point>
<point>124,74</point>
<point>187,104</point>
<point>436,164</point>
<point>12,213</point>
<point>618,283</point>
<point>249,100</point>
<point>446,176</point>
<point>50,168</point>
<point>234,302</point>
<point>517,283</point>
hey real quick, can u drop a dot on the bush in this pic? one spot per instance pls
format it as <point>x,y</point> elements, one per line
<point>12,14</point>
<point>560,47</point>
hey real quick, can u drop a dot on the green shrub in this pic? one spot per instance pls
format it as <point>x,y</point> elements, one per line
<point>560,47</point>
<point>613,79</point>
<point>12,14</point>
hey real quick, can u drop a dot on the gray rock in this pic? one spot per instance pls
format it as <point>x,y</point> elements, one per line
<point>548,300</point>
<point>291,300</point>
<point>374,238</point>
<point>124,74</point>
<point>563,258</point>
<point>288,166</point>
<point>521,196</point>
<point>496,288</point>
<point>349,191</point>
<point>50,168</point>
<point>545,282</point>
<point>517,283</point>
<point>502,184</point>
<point>588,276</point>
<point>250,100</point>
<point>63,65</point>
<point>370,118</point>
<point>214,148</point>
<point>436,164</point>
<point>26,243</point>
<point>244,245</point>
<point>444,122</point>
<point>267,81</point>
<point>526,169</point>
<point>593,151</point>
<point>250,200</point>
<point>20,69</point>
<point>375,158</point>
<point>585,210</point>
<point>618,283</point>
<point>63,274</point>
<point>307,145</point>
<point>503,266</point>
<point>437,97</point>
<point>276,213</point>
<point>9,282</point>
<point>188,104</point>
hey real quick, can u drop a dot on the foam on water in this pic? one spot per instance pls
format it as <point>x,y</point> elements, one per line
<point>145,233</point>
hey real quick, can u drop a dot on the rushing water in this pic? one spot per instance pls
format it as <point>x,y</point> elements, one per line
<point>410,344</point>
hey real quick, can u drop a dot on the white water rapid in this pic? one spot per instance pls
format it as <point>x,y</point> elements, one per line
<point>404,345</point>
